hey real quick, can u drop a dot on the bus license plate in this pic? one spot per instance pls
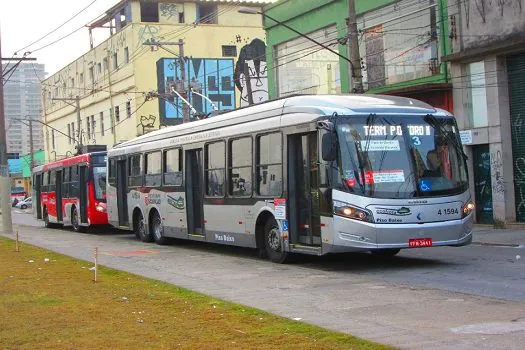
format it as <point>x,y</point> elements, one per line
<point>420,242</point>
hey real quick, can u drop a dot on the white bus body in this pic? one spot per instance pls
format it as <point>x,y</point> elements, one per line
<point>263,177</point>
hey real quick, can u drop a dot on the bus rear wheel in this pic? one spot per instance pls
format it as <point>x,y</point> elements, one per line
<point>139,226</point>
<point>75,221</point>
<point>157,229</point>
<point>47,224</point>
<point>273,242</point>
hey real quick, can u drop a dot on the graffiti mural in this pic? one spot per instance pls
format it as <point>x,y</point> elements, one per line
<point>254,54</point>
<point>211,77</point>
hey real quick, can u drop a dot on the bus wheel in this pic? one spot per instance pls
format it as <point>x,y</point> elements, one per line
<point>140,229</point>
<point>157,229</point>
<point>47,224</point>
<point>385,253</point>
<point>273,242</point>
<point>75,222</point>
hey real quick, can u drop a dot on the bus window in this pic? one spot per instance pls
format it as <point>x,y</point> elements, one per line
<point>153,169</point>
<point>240,167</point>
<point>67,179</point>
<point>269,165</point>
<point>135,170</point>
<point>173,167</point>
<point>214,169</point>
<point>112,176</point>
<point>74,185</point>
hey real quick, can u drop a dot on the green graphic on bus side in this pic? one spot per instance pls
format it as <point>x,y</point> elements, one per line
<point>176,203</point>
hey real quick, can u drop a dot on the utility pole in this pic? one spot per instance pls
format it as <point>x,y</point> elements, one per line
<point>185,110</point>
<point>355,76</point>
<point>31,149</point>
<point>77,107</point>
<point>5,181</point>
<point>248,83</point>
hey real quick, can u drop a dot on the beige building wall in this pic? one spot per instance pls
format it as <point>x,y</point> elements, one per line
<point>133,74</point>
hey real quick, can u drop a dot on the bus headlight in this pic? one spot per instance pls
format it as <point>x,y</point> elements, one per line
<point>352,212</point>
<point>468,208</point>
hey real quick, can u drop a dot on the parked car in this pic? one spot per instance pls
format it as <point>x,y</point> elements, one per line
<point>24,204</point>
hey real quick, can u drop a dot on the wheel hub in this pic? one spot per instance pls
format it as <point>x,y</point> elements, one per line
<point>274,239</point>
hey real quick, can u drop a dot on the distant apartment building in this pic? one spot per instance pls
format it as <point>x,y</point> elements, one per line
<point>113,79</point>
<point>22,100</point>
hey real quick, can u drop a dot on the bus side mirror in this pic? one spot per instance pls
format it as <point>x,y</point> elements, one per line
<point>329,147</point>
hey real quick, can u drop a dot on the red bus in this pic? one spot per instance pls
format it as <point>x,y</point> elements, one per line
<point>71,192</point>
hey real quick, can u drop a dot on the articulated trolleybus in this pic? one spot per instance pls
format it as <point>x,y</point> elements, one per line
<point>71,191</point>
<point>304,174</point>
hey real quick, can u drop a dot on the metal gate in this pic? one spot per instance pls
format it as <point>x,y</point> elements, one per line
<point>516,74</point>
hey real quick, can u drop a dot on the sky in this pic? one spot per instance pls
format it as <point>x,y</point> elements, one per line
<point>24,21</point>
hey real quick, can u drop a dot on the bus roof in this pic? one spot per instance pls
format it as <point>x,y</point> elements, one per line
<point>81,158</point>
<point>321,105</point>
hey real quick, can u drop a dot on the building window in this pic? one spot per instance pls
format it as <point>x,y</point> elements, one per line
<point>128,109</point>
<point>126,55</point>
<point>313,72</point>
<point>99,68</point>
<point>81,78</point>
<point>69,133</point>
<point>91,75</point>
<point>268,166</point>
<point>101,123</point>
<point>173,167</point>
<point>73,131</point>
<point>153,169</point>
<point>207,13</point>
<point>477,95</point>
<point>240,167</point>
<point>149,11</point>
<point>181,17</point>
<point>117,114</point>
<point>115,61</point>
<point>229,51</point>
<point>88,127</point>
<point>105,64</point>
<point>392,58</point>
<point>53,138</point>
<point>93,127</point>
<point>72,82</point>
<point>214,169</point>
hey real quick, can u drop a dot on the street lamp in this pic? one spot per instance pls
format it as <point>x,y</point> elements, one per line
<point>253,11</point>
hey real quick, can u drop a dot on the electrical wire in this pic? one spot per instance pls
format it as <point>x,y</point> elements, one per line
<point>57,28</point>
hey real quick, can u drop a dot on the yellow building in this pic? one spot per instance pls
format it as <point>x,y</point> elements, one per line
<point>126,85</point>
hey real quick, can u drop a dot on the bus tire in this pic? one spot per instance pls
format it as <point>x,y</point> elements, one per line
<point>75,222</point>
<point>139,226</point>
<point>385,253</point>
<point>157,229</point>
<point>273,242</point>
<point>47,224</point>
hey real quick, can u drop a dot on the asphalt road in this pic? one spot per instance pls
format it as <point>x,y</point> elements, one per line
<point>459,298</point>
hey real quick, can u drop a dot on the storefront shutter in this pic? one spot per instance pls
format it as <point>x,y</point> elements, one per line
<point>516,74</point>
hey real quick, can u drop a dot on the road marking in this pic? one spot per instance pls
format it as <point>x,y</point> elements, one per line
<point>492,328</point>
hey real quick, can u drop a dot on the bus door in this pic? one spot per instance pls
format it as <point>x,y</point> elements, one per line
<point>194,191</point>
<point>37,183</point>
<point>122,193</point>
<point>303,185</point>
<point>58,191</point>
<point>84,188</point>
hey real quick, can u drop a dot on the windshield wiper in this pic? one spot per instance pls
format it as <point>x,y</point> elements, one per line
<point>435,123</point>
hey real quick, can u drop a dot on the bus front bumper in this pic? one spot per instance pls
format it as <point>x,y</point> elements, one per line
<point>352,235</point>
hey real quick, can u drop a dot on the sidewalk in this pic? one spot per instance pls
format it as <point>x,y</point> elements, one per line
<point>487,235</point>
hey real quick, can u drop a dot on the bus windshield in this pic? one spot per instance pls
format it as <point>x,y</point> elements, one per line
<point>99,181</point>
<point>401,157</point>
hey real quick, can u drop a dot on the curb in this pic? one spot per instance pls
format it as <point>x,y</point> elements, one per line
<point>492,244</point>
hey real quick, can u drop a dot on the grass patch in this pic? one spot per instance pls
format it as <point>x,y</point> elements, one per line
<point>55,304</point>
